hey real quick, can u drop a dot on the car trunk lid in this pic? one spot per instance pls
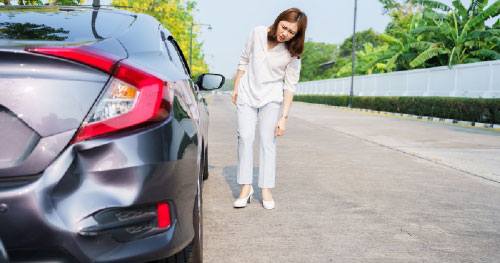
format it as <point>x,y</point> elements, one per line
<point>43,101</point>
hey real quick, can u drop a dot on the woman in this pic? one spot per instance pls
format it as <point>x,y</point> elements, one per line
<point>268,72</point>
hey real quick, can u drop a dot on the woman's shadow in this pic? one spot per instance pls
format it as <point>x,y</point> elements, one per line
<point>230,174</point>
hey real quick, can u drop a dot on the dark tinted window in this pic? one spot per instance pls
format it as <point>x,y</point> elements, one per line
<point>55,24</point>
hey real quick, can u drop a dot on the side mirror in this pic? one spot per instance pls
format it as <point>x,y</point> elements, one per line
<point>209,81</point>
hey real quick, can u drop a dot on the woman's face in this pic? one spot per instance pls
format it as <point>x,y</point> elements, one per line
<point>286,31</point>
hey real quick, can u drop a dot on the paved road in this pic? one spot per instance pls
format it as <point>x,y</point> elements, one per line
<point>357,187</point>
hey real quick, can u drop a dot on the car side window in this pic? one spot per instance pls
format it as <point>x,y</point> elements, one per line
<point>177,56</point>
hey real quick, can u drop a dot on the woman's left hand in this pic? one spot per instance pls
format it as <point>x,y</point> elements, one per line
<point>280,127</point>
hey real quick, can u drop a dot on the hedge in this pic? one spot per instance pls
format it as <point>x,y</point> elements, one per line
<point>464,109</point>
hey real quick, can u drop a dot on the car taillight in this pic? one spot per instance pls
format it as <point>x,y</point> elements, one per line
<point>118,98</point>
<point>163,213</point>
<point>131,98</point>
<point>83,54</point>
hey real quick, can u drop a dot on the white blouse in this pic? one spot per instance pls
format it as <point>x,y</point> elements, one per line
<point>265,70</point>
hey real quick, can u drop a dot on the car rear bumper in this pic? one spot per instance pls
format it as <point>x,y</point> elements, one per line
<point>47,213</point>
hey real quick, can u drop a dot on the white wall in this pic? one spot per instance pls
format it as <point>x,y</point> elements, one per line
<point>473,80</point>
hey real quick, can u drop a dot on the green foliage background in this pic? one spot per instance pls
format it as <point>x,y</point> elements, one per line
<point>421,34</point>
<point>315,54</point>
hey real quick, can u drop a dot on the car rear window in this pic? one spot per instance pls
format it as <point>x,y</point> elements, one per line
<point>62,24</point>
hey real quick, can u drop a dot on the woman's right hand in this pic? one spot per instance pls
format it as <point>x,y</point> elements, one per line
<point>234,96</point>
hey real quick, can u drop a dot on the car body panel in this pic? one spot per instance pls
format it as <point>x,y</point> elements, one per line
<point>46,97</point>
<point>141,168</point>
<point>51,95</point>
<point>36,159</point>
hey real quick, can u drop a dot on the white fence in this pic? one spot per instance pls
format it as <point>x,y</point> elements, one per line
<point>473,80</point>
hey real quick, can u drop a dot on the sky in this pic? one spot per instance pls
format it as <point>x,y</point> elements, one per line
<point>329,21</point>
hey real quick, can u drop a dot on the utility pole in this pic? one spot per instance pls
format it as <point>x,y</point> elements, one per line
<point>191,41</point>
<point>353,54</point>
<point>191,46</point>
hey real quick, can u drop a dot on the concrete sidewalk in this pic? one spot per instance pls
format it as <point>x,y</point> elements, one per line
<point>357,187</point>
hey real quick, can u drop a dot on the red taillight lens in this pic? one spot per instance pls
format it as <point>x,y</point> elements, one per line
<point>163,213</point>
<point>83,54</point>
<point>131,98</point>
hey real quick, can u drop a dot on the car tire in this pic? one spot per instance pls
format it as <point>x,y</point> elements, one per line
<point>180,257</point>
<point>205,165</point>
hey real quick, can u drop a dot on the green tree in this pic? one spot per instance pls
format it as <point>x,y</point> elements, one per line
<point>31,31</point>
<point>68,2</point>
<point>461,35</point>
<point>421,34</point>
<point>366,36</point>
<point>401,45</point>
<point>369,61</point>
<point>40,2</point>
<point>315,54</point>
<point>343,64</point>
<point>428,33</point>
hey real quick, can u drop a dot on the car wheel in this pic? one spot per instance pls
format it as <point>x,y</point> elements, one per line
<point>205,165</point>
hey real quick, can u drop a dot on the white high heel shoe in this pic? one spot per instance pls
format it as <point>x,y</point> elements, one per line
<point>239,203</point>
<point>268,204</point>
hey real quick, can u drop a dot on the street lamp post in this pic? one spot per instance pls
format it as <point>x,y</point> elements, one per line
<point>191,41</point>
<point>353,55</point>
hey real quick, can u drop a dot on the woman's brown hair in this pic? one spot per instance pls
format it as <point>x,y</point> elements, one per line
<point>293,15</point>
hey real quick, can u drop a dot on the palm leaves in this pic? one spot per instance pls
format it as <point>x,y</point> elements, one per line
<point>457,36</point>
<point>434,4</point>
<point>368,61</point>
<point>486,53</point>
<point>391,63</point>
<point>492,11</point>
<point>428,33</point>
<point>431,52</point>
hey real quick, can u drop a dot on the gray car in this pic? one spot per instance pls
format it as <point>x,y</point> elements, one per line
<point>103,138</point>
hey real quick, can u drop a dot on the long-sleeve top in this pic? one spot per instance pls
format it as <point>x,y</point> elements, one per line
<point>267,72</point>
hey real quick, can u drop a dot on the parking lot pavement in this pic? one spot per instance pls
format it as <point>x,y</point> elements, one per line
<point>357,187</point>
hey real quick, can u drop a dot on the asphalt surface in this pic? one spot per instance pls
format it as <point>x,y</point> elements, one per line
<point>357,187</point>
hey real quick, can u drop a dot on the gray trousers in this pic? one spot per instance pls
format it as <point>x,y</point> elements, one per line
<point>268,116</point>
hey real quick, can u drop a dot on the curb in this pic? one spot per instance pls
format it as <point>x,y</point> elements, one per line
<point>489,126</point>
